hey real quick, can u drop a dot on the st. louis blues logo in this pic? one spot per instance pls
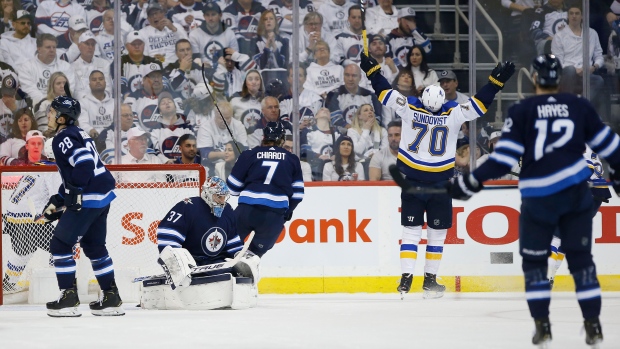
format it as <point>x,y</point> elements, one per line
<point>213,241</point>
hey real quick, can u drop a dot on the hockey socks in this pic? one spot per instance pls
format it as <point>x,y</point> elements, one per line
<point>537,288</point>
<point>588,292</point>
<point>104,271</point>
<point>409,248</point>
<point>556,259</point>
<point>434,249</point>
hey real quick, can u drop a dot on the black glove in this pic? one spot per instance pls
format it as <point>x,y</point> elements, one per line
<point>73,197</point>
<point>288,215</point>
<point>614,176</point>
<point>52,210</point>
<point>369,65</point>
<point>501,73</point>
<point>463,187</point>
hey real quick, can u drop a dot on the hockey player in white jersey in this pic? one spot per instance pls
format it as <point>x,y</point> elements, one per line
<point>426,156</point>
<point>29,197</point>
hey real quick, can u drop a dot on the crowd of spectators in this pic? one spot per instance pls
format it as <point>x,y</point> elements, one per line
<point>174,54</point>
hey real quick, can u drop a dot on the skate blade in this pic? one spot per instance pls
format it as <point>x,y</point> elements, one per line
<point>432,294</point>
<point>113,311</point>
<point>66,312</point>
<point>402,295</point>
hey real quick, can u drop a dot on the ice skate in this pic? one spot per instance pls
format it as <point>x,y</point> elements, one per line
<point>431,288</point>
<point>108,304</point>
<point>405,285</point>
<point>66,305</point>
<point>542,337</point>
<point>594,332</point>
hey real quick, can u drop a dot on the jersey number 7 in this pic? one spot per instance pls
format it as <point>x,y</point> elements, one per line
<point>273,165</point>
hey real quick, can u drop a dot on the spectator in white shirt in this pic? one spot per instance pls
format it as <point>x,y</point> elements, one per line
<point>213,134</point>
<point>567,46</point>
<point>161,35</point>
<point>231,154</point>
<point>382,19</point>
<point>86,63</point>
<point>18,46</point>
<point>105,141</point>
<point>137,141</point>
<point>97,106</point>
<point>323,75</point>
<point>378,169</point>
<point>367,135</point>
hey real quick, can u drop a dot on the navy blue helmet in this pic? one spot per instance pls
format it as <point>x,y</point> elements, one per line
<point>68,107</point>
<point>274,131</point>
<point>548,69</point>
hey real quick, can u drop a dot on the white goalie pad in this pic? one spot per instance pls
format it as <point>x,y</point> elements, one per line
<point>220,291</point>
<point>177,264</point>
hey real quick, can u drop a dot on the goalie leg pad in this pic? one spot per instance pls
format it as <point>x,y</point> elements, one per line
<point>177,264</point>
<point>248,266</point>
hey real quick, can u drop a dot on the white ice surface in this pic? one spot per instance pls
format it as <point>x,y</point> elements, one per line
<point>322,321</point>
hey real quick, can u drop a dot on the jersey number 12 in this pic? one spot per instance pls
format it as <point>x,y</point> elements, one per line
<point>563,126</point>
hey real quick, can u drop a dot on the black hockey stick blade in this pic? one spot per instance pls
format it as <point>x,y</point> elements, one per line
<point>408,187</point>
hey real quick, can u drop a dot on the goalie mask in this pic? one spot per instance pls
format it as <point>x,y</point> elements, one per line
<point>433,98</point>
<point>212,191</point>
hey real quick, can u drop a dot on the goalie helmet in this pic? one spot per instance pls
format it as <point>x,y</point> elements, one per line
<point>433,97</point>
<point>68,107</point>
<point>548,70</point>
<point>48,151</point>
<point>215,186</point>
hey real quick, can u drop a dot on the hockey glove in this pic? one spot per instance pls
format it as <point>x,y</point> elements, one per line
<point>614,176</point>
<point>369,65</point>
<point>73,197</point>
<point>464,187</point>
<point>52,210</point>
<point>288,215</point>
<point>501,73</point>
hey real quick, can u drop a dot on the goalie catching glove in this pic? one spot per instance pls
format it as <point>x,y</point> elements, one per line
<point>73,197</point>
<point>52,210</point>
<point>464,187</point>
<point>501,73</point>
<point>369,65</point>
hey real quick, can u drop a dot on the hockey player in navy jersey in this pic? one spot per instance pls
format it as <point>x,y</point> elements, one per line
<point>269,183</point>
<point>203,225</point>
<point>549,132</point>
<point>86,192</point>
<point>426,156</point>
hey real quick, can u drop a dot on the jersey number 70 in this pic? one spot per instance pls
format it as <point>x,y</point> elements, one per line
<point>437,142</point>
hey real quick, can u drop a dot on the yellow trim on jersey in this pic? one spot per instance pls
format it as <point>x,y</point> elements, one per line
<point>22,220</point>
<point>382,95</point>
<point>413,165</point>
<point>479,104</point>
<point>411,106</point>
<point>447,112</point>
<point>13,273</point>
<point>433,256</point>
<point>409,254</point>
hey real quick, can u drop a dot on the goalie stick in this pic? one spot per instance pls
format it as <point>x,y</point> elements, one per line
<point>209,267</point>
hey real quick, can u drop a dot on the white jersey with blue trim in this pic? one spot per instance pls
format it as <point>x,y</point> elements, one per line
<point>549,133</point>
<point>428,140</point>
<point>35,188</point>
<point>79,164</point>
<point>268,176</point>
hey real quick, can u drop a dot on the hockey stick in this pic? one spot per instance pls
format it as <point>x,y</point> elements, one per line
<point>410,188</point>
<point>364,34</point>
<point>209,267</point>
<point>210,93</point>
<point>40,218</point>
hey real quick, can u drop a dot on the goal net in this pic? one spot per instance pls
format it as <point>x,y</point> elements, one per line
<point>145,193</point>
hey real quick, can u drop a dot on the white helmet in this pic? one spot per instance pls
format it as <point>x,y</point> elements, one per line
<point>215,186</point>
<point>433,97</point>
<point>48,150</point>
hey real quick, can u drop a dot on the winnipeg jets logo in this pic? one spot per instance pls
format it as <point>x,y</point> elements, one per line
<point>188,201</point>
<point>213,241</point>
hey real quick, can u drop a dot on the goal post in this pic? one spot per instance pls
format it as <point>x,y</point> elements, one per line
<point>145,193</point>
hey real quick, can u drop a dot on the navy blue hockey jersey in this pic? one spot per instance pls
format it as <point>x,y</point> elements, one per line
<point>550,132</point>
<point>267,176</point>
<point>191,225</point>
<point>79,164</point>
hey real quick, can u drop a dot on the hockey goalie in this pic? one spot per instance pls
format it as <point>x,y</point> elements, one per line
<point>206,265</point>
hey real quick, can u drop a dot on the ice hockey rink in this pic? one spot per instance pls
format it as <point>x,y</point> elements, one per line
<point>459,320</point>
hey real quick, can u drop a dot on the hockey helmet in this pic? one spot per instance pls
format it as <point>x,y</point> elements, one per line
<point>215,186</point>
<point>274,131</point>
<point>68,107</point>
<point>48,151</point>
<point>548,70</point>
<point>433,97</point>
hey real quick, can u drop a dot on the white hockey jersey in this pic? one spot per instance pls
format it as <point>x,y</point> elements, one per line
<point>335,16</point>
<point>166,138</point>
<point>94,19</point>
<point>309,104</point>
<point>53,18</point>
<point>34,76</point>
<point>162,42</point>
<point>322,79</point>
<point>96,114</point>
<point>281,11</point>
<point>36,188</point>
<point>105,43</point>
<point>145,107</point>
<point>427,149</point>
<point>14,51</point>
<point>379,22</point>
<point>348,47</point>
<point>211,136</point>
<point>247,110</point>
<point>210,47</point>
<point>322,143</point>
